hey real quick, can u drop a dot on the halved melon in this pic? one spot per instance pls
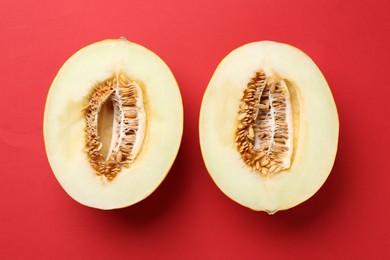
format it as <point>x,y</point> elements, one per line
<point>268,126</point>
<point>113,124</point>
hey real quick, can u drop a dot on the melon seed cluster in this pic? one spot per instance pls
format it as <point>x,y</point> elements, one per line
<point>264,130</point>
<point>123,95</point>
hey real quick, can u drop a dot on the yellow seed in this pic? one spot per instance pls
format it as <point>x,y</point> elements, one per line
<point>95,166</point>
<point>100,147</point>
<point>260,155</point>
<point>119,156</point>
<point>262,106</point>
<point>264,162</point>
<point>251,133</point>
<point>111,163</point>
<point>264,171</point>
<point>242,116</point>
<point>279,140</point>
<point>273,168</point>
<point>125,149</point>
<point>258,83</point>
<point>272,89</point>
<point>257,165</point>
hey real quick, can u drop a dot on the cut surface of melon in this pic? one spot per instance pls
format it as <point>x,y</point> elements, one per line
<point>268,157</point>
<point>113,124</point>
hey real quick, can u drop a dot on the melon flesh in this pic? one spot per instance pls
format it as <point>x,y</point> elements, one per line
<point>64,123</point>
<point>315,130</point>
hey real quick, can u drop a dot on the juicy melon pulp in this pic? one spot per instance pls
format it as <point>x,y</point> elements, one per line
<point>314,128</point>
<point>138,127</point>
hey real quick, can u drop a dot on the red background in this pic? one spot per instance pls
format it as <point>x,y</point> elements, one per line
<point>188,217</point>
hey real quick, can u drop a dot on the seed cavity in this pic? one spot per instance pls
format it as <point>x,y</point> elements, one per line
<point>264,132</point>
<point>128,125</point>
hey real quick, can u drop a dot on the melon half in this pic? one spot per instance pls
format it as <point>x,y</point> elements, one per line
<point>268,126</point>
<point>113,124</point>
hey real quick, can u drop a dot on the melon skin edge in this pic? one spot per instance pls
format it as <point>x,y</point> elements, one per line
<point>222,161</point>
<point>164,128</point>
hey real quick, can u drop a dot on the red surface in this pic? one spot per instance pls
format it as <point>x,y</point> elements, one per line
<point>188,217</point>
